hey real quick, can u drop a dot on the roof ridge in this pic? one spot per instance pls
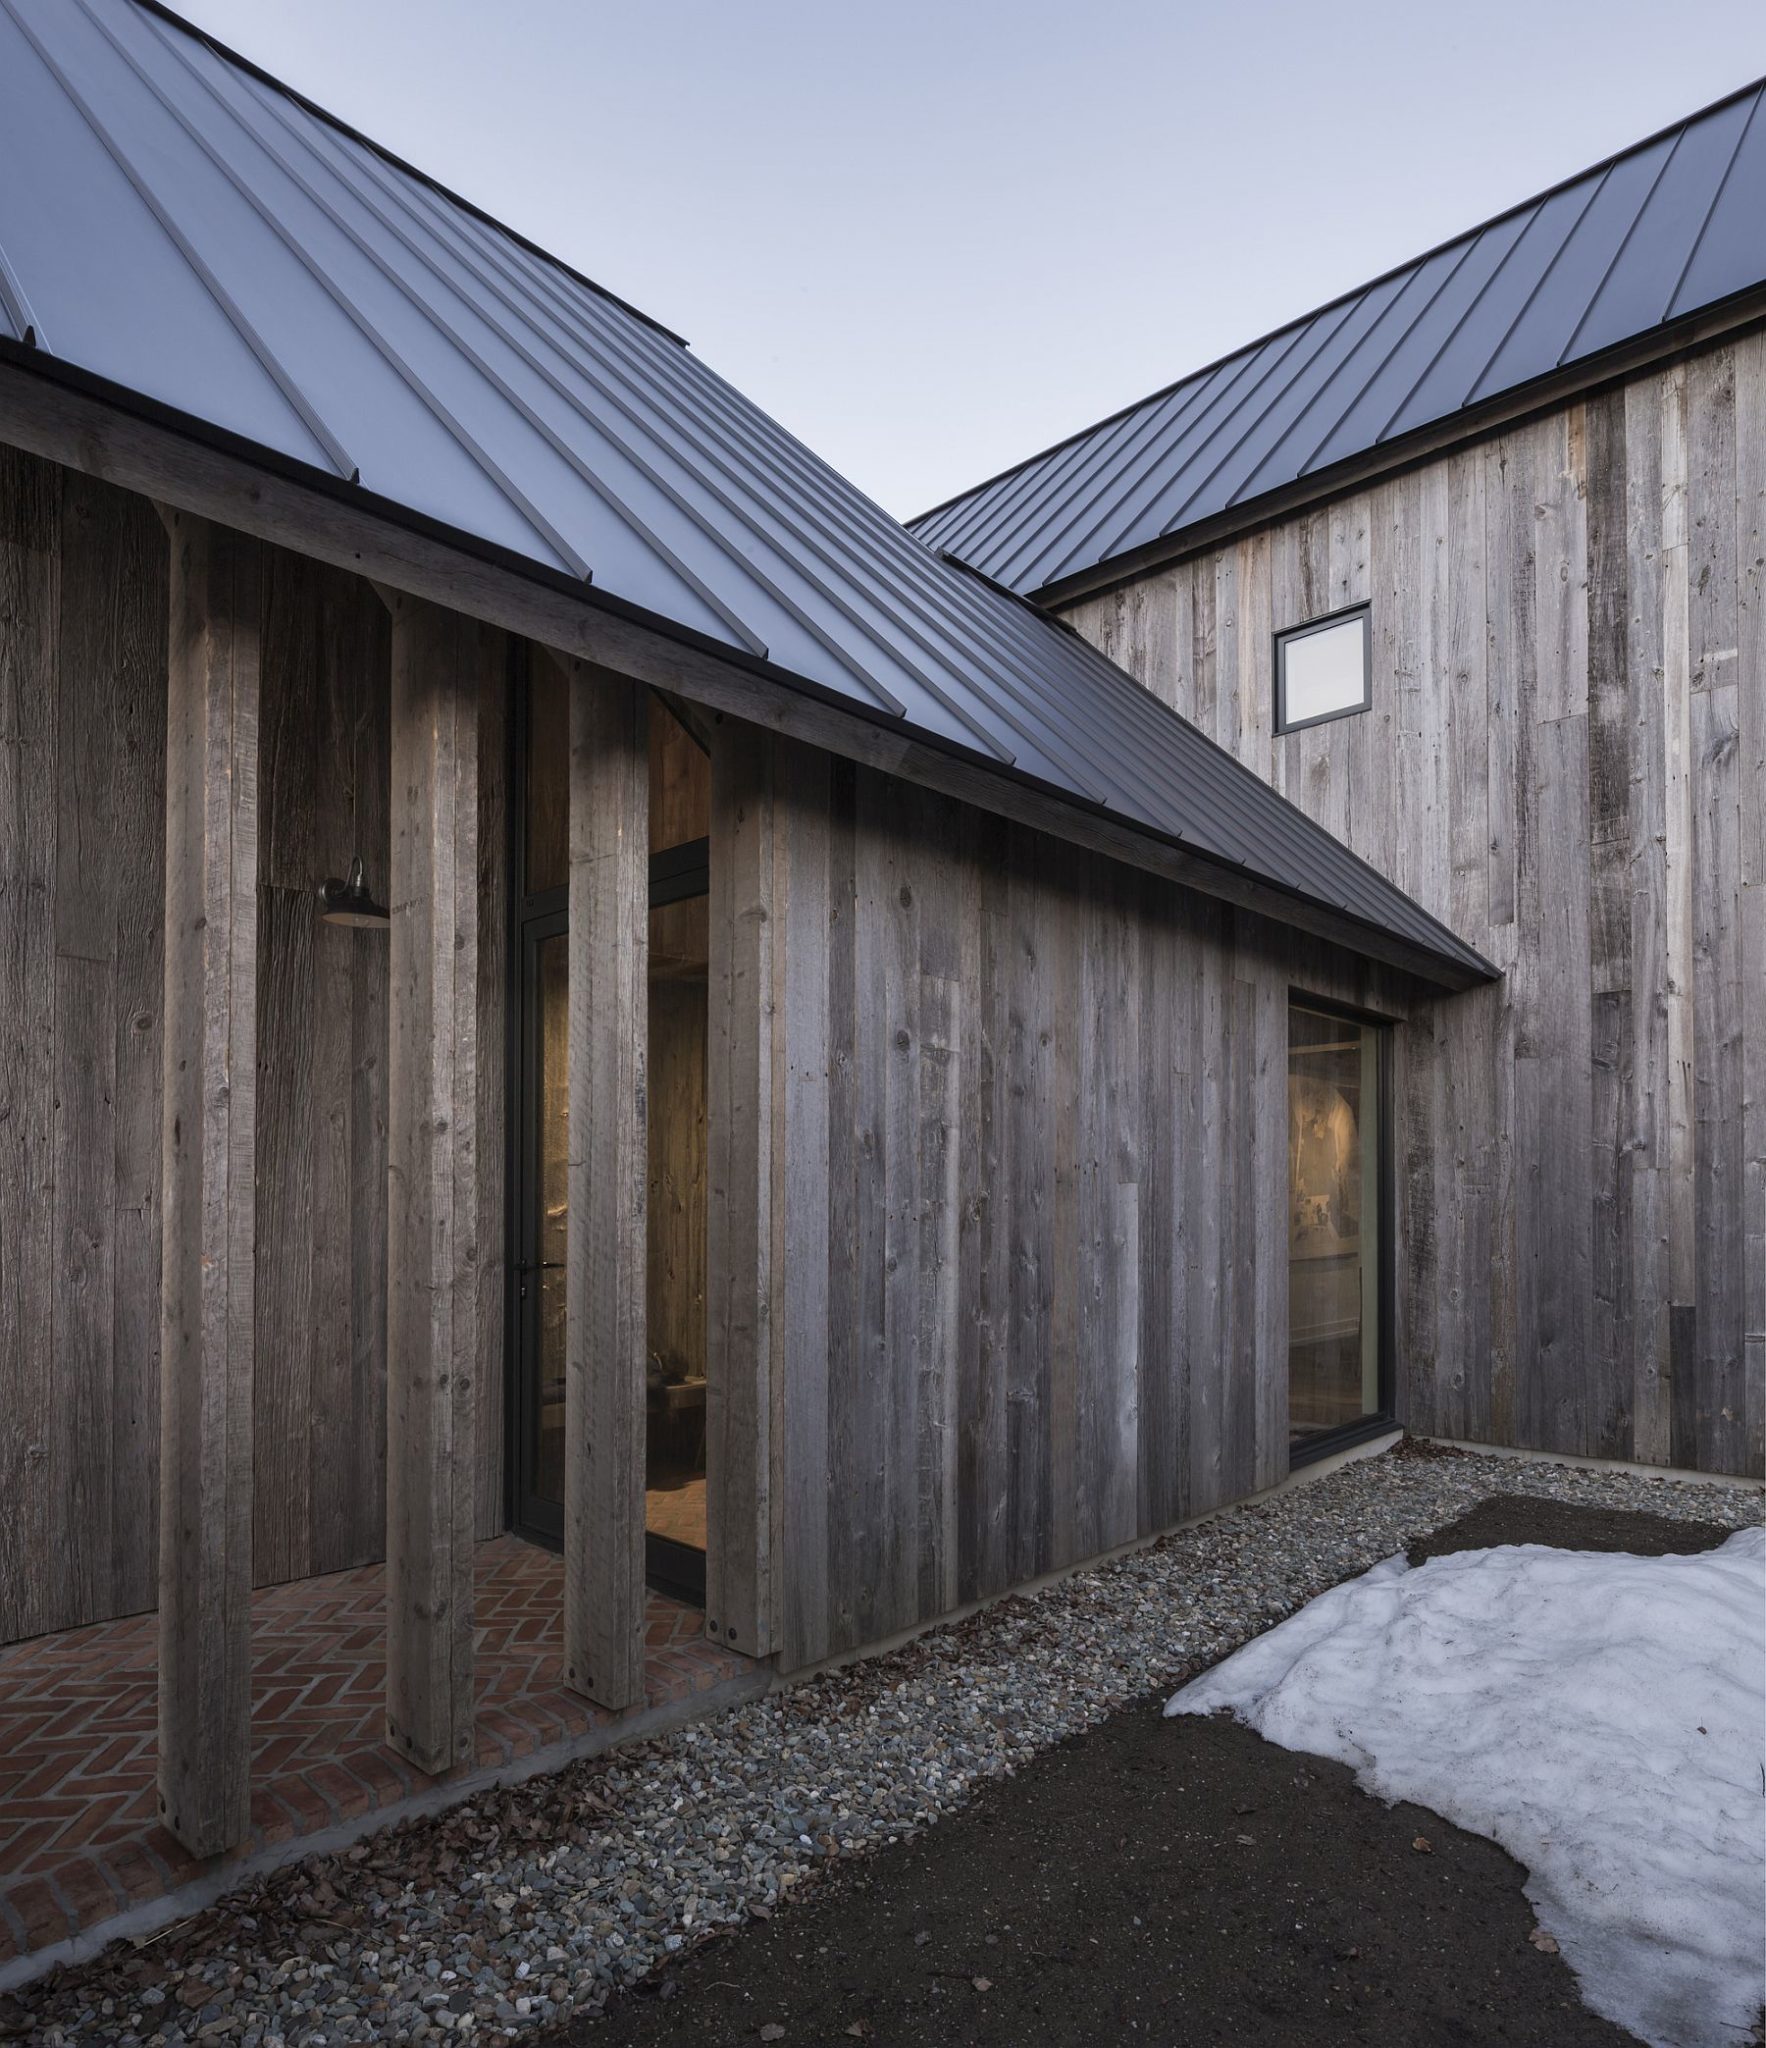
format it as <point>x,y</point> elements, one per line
<point>229,55</point>
<point>1470,234</point>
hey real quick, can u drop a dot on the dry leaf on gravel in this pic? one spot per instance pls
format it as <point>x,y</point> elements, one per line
<point>1543,1942</point>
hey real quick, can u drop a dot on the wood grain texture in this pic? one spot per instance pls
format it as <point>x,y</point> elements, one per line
<point>742,1183</point>
<point>208,1174</point>
<point>1564,762</point>
<point>440,663</point>
<point>1031,1144</point>
<point>320,1422</point>
<point>83,645</point>
<point>605,1252</point>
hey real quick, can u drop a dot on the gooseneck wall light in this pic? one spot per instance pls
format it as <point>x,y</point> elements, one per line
<point>350,903</point>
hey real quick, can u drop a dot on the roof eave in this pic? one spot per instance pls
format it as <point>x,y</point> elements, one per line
<point>56,410</point>
<point>1726,320</point>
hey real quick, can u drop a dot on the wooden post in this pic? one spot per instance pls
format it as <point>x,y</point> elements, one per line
<point>208,1168</point>
<point>740,1113</point>
<point>606,1247</point>
<point>439,663</point>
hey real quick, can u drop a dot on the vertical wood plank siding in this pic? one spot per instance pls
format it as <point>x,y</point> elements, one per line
<point>1566,762</point>
<point>83,640</point>
<point>441,665</point>
<point>1030,1181</point>
<point>608,1178</point>
<point>208,1154</point>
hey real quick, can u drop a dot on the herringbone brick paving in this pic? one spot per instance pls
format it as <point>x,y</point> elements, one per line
<point>79,1835</point>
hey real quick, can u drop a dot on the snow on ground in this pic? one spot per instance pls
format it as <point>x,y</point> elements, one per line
<point>1602,1717</point>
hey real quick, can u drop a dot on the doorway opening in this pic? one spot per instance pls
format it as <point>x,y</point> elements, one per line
<point>1339,1230</point>
<point>679,988</point>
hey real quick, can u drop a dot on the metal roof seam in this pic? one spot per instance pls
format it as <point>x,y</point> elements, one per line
<point>234,61</point>
<point>1022,513</point>
<point>511,491</point>
<point>1052,532</point>
<point>268,361</point>
<point>1373,375</point>
<point>1574,256</point>
<point>1613,261</point>
<point>827,591</point>
<point>1324,341</point>
<point>421,314</point>
<point>563,448</point>
<point>1522,206</point>
<point>17,307</point>
<point>1698,240</point>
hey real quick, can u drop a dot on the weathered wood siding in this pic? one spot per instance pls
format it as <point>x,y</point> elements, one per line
<point>83,642</point>
<point>83,584</point>
<point>1028,1283</point>
<point>1566,761</point>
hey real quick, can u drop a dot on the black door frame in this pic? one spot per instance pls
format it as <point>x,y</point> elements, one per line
<point>1325,1443</point>
<point>677,873</point>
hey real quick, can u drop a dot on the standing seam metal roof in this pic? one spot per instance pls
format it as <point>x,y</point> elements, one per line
<point>1664,230</point>
<point>179,226</point>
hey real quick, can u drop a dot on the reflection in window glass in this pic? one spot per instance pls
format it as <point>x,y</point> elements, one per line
<point>1322,671</point>
<point>550,1194</point>
<point>1333,1222</point>
<point>674,1469</point>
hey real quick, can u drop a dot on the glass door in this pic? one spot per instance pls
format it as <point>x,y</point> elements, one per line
<point>675,1379</point>
<point>1337,1229</point>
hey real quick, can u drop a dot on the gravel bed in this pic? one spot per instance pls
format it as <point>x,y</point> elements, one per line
<point>532,1903</point>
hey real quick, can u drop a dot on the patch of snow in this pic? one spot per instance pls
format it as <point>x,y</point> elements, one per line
<point>1602,1717</point>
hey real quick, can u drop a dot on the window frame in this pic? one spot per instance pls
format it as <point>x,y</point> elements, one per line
<point>1325,1443</point>
<point>1284,638</point>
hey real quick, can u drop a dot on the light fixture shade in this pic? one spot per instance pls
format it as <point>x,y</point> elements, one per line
<point>349,902</point>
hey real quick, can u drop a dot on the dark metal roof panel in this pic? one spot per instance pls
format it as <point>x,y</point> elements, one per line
<point>180,226</point>
<point>1661,231</point>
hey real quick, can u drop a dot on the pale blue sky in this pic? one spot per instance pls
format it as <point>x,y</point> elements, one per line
<point>932,238</point>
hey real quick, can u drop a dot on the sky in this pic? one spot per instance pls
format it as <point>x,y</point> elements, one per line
<point>931,239</point>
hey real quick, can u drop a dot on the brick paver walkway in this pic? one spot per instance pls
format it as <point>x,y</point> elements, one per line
<point>79,1838</point>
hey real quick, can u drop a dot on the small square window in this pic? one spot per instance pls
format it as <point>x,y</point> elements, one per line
<point>1324,670</point>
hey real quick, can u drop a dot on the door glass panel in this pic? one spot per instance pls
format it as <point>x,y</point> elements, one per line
<point>1333,1222</point>
<point>675,1381</point>
<point>550,1196</point>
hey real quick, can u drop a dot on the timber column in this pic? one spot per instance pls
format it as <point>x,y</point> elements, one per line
<point>608,1169</point>
<point>440,662</point>
<point>208,1168</point>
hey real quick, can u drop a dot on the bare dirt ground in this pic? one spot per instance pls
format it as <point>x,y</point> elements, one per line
<point>1161,1881</point>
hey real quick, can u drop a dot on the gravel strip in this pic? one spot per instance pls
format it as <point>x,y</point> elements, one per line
<point>532,1903</point>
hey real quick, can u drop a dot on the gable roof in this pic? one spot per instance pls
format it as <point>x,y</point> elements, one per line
<point>179,229</point>
<point>1665,230</point>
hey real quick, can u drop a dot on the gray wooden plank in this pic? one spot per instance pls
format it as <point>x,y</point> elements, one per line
<point>1647,820</point>
<point>1030,1083</point>
<point>494,942</point>
<point>743,1169</point>
<point>606,1241</point>
<point>438,659</point>
<point>1750,491</point>
<point>801,1231</point>
<point>986,1277</point>
<point>208,1170</point>
<point>939,1206</point>
<point>137,686</point>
